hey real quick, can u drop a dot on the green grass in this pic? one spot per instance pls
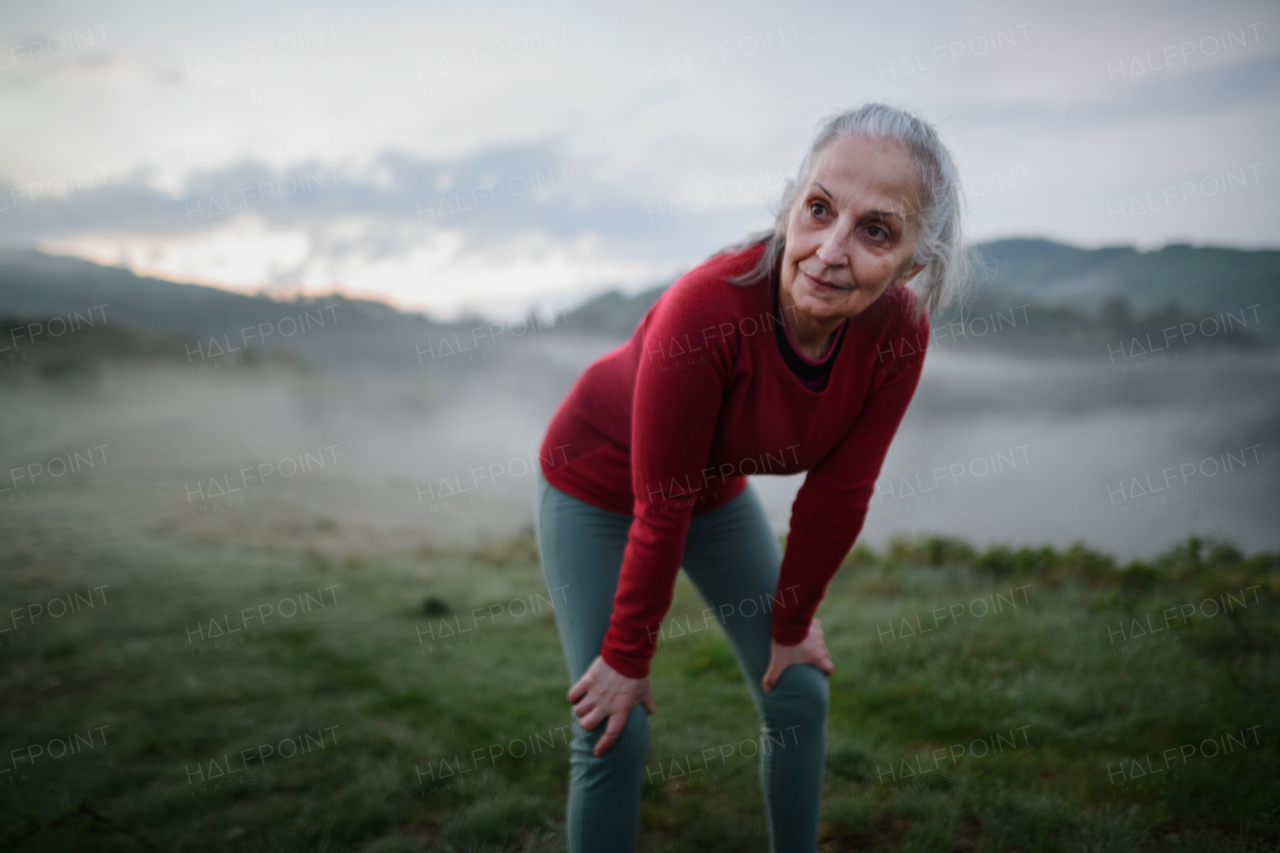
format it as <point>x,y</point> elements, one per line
<point>1044,675</point>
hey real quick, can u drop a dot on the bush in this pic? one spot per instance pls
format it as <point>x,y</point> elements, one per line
<point>1212,565</point>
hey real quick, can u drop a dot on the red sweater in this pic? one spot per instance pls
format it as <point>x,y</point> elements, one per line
<point>669,425</point>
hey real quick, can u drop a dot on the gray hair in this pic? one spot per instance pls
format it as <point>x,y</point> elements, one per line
<point>939,245</point>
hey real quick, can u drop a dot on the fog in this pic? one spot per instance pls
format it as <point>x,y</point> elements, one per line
<point>993,448</point>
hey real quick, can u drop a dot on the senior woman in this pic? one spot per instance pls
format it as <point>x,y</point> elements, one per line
<point>797,351</point>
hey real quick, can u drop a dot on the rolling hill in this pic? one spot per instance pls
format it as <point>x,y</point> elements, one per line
<point>1075,300</point>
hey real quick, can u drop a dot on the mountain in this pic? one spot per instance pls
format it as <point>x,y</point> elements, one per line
<point>1208,279</point>
<point>33,283</point>
<point>1081,296</point>
<point>1073,300</point>
<point>330,330</point>
<point>613,313</point>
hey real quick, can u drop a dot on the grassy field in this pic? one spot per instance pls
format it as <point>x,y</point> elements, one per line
<point>314,690</point>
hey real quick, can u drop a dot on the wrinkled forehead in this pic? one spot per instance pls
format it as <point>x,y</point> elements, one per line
<point>868,174</point>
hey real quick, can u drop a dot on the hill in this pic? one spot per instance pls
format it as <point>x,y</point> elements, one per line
<point>1074,301</point>
<point>1077,300</point>
<point>325,330</point>
<point>1207,279</point>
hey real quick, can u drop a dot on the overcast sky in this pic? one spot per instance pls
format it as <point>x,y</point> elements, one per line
<point>489,156</point>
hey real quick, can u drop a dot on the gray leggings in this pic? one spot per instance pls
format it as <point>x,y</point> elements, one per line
<point>733,559</point>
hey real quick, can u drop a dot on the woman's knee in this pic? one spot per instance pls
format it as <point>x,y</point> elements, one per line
<point>800,697</point>
<point>630,749</point>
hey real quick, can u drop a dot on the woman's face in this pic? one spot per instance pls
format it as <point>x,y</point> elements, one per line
<point>852,229</point>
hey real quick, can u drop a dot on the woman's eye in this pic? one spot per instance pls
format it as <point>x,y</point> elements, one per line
<point>817,208</point>
<point>877,232</point>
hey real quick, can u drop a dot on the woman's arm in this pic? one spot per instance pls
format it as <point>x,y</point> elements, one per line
<point>830,508</point>
<point>675,410</point>
<point>812,649</point>
<point>825,521</point>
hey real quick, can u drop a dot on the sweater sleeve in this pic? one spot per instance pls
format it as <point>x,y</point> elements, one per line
<point>829,510</point>
<point>680,387</point>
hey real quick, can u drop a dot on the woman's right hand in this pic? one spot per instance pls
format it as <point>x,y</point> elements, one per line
<point>604,693</point>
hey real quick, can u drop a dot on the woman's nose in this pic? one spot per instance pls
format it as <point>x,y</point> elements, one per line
<point>831,250</point>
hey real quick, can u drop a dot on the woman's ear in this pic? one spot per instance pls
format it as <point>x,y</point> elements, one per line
<point>906,277</point>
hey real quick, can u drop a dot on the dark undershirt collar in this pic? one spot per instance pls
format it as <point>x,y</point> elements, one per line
<point>814,376</point>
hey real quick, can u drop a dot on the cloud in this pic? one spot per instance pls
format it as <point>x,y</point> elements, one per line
<point>487,197</point>
<point>490,230</point>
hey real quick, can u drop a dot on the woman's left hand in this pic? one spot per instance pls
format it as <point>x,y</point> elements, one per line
<point>812,649</point>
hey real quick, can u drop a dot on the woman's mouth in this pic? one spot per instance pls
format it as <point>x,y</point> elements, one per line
<point>824,286</point>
